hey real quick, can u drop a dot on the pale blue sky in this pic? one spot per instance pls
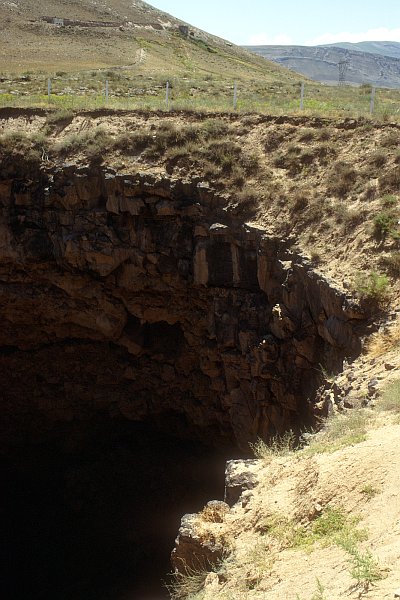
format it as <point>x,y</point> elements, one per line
<point>290,21</point>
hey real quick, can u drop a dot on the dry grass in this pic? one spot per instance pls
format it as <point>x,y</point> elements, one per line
<point>342,179</point>
<point>187,586</point>
<point>378,158</point>
<point>277,446</point>
<point>213,512</point>
<point>382,342</point>
<point>340,430</point>
<point>93,143</point>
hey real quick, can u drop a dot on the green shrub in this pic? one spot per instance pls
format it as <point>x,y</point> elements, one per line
<point>389,200</point>
<point>329,524</point>
<point>59,117</point>
<point>332,526</point>
<point>384,224</point>
<point>158,142</point>
<point>223,153</point>
<point>273,140</point>
<point>247,202</point>
<point>250,163</point>
<point>372,286</point>
<point>324,135</point>
<point>316,212</point>
<point>299,200</point>
<point>369,192</point>
<point>315,257</point>
<point>295,158</point>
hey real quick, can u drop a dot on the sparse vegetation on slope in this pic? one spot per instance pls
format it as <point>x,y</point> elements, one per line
<point>311,518</point>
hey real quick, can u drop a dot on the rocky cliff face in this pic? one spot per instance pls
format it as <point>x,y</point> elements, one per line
<point>138,296</point>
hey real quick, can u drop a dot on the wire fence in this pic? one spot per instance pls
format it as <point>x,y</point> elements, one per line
<point>201,95</point>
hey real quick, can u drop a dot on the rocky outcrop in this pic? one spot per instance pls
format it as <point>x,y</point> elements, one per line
<point>199,545</point>
<point>240,476</point>
<point>139,296</point>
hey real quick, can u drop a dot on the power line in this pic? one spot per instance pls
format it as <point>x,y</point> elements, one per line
<point>343,66</point>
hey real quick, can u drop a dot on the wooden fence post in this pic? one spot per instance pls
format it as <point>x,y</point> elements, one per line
<point>302,96</point>
<point>167,95</point>
<point>372,103</point>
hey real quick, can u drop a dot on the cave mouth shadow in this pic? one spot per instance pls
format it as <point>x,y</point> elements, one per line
<point>93,513</point>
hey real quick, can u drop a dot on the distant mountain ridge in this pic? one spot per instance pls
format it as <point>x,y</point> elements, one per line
<point>321,62</point>
<point>382,48</point>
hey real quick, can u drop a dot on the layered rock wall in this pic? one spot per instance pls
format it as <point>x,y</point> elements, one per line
<point>139,296</point>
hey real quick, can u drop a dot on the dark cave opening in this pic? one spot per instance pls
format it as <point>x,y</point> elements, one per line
<point>142,328</point>
<point>93,513</point>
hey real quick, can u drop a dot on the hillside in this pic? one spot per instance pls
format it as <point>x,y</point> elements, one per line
<point>116,33</point>
<point>321,64</point>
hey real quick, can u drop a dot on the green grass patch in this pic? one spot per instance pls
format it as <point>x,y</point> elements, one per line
<point>369,491</point>
<point>390,400</point>
<point>333,526</point>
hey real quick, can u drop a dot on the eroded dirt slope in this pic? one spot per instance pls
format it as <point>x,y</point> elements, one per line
<point>358,482</point>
